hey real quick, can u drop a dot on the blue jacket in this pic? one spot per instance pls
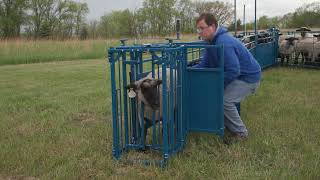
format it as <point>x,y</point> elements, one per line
<point>238,61</point>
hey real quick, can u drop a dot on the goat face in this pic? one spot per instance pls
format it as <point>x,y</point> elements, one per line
<point>148,91</point>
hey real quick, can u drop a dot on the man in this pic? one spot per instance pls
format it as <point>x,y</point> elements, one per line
<point>242,72</point>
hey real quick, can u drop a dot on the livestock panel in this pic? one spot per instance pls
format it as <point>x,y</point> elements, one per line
<point>266,54</point>
<point>184,90</point>
<point>165,129</point>
<point>205,95</point>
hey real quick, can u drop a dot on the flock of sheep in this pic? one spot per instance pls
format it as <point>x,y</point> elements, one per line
<point>304,47</point>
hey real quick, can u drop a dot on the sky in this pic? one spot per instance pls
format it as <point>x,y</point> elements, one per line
<point>270,8</point>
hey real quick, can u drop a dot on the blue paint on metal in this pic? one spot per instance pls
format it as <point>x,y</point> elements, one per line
<point>116,146</point>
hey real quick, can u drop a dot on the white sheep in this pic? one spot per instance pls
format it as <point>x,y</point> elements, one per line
<point>304,46</point>
<point>287,48</point>
<point>316,49</point>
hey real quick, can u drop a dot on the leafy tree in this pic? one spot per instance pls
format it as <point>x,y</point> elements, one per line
<point>159,15</point>
<point>12,16</point>
<point>263,22</point>
<point>186,14</point>
<point>93,29</point>
<point>80,12</point>
<point>84,32</point>
<point>116,24</point>
<point>61,18</point>
<point>239,26</point>
<point>307,15</point>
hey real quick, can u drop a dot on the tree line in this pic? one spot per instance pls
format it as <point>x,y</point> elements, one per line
<point>158,18</point>
<point>63,19</point>
<point>42,18</point>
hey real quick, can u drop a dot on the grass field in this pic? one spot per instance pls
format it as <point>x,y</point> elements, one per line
<point>56,124</point>
<point>26,52</point>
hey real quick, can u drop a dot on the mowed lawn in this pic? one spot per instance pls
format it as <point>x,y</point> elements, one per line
<point>55,123</point>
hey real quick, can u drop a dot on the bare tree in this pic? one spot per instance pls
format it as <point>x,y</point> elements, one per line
<point>222,11</point>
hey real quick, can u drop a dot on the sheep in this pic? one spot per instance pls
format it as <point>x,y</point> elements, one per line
<point>303,46</point>
<point>287,48</point>
<point>316,49</point>
<point>148,91</point>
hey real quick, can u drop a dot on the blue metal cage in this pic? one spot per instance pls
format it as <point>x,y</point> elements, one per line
<point>191,101</point>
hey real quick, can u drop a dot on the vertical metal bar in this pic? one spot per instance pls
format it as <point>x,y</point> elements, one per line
<point>179,100</point>
<point>165,113</point>
<point>143,126</point>
<point>120,100</point>
<point>140,55</point>
<point>171,98</point>
<point>154,126</point>
<point>274,47</point>
<point>255,25</point>
<point>115,130</point>
<point>137,65</point>
<point>125,100</point>
<point>244,21</point>
<point>235,17</point>
<point>221,60</point>
<point>192,54</point>
<point>184,98</point>
<point>131,135</point>
<point>133,101</point>
<point>138,123</point>
<point>158,115</point>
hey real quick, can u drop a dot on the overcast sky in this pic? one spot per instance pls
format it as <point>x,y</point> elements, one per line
<point>264,7</point>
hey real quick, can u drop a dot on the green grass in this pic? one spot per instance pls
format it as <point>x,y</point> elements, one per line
<point>56,124</point>
<point>26,52</point>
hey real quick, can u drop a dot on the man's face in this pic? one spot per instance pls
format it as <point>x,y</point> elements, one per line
<point>205,31</point>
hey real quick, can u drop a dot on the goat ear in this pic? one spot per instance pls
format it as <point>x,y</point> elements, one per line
<point>131,86</point>
<point>159,82</point>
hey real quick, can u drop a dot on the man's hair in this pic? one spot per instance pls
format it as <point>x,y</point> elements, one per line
<point>208,18</point>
